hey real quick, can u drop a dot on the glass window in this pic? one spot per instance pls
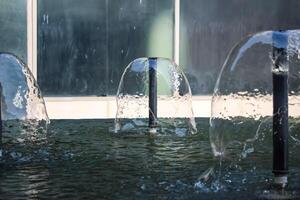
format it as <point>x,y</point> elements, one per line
<point>84,46</point>
<point>13,27</point>
<point>209,29</point>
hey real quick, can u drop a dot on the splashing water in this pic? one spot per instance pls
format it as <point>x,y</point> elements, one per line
<point>24,114</point>
<point>242,104</point>
<point>175,114</point>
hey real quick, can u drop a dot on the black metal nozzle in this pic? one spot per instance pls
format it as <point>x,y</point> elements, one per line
<point>152,92</point>
<point>280,107</point>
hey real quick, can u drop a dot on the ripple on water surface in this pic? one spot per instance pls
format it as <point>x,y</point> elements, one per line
<point>81,159</point>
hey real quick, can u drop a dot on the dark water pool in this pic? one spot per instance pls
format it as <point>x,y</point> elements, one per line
<point>80,159</point>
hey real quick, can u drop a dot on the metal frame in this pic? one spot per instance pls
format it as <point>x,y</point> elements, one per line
<point>32,36</point>
<point>176,31</point>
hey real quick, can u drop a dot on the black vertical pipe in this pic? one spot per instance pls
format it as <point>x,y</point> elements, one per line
<point>152,92</point>
<point>280,107</point>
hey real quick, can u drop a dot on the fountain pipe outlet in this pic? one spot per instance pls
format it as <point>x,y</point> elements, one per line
<point>152,93</point>
<point>280,108</point>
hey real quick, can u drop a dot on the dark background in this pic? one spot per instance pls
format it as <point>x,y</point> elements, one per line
<point>84,46</point>
<point>13,28</point>
<point>211,28</point>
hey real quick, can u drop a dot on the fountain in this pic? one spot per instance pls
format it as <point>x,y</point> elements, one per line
<point>23,112</point>
<point>258,86</point>
<point>280,108</point>
<point>154,97</point>
<point>157,89</point>
<point>152,94</point>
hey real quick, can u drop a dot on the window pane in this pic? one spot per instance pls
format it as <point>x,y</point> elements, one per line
<point>13,27</point>
<point>209,29</point>
<point>84,46</point>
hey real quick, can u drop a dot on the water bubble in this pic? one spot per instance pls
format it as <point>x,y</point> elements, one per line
<point>242,103</point>
<point>174,103</point>
<point>24,113</point>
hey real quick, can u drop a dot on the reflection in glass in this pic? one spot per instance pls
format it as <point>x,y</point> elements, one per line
<point>13,27</point>
<point>83,46</point>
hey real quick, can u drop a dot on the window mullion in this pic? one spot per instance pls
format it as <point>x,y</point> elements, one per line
<point>176,31</point>
<point>32,36</point>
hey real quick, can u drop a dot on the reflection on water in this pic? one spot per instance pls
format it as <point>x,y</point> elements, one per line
<point>80,159</point>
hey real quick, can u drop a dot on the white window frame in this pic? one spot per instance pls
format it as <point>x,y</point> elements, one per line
<point>32,36</point>
<point>89,107</point>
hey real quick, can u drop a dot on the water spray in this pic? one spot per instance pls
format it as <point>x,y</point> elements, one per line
<point>152,94</point>
<point>280,108</point>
